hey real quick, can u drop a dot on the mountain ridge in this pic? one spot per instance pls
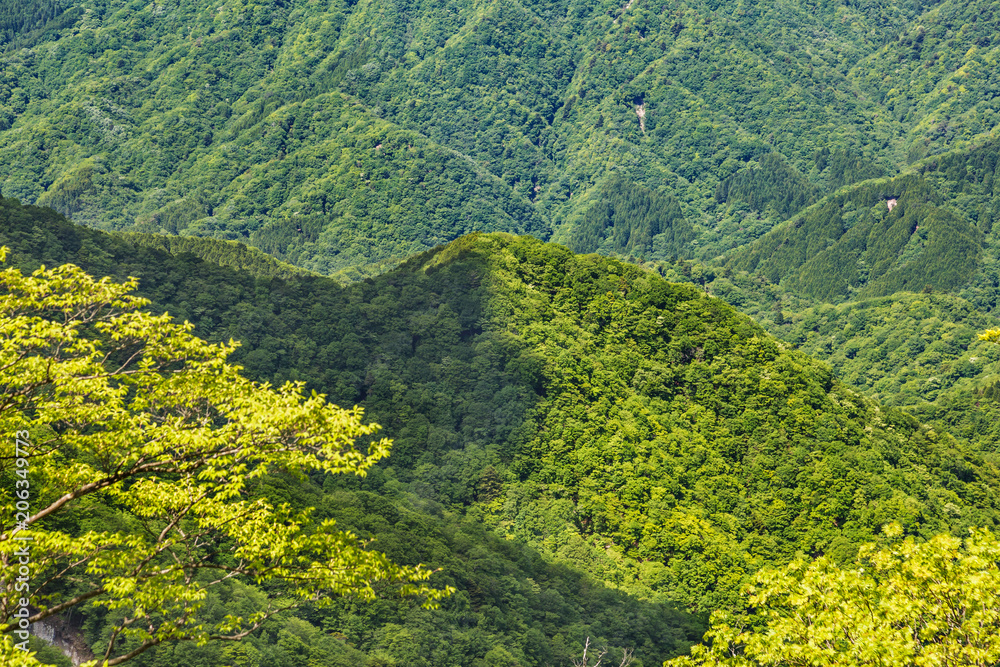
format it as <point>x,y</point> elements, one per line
<point>505,352</point>
<point>244,120</point>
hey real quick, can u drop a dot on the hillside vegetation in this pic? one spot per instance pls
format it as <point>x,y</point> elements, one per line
<point>929,229</point>
<point>620,430</point>
<point>515,605</point>
<point>344,136</point>
<point>588,446</point>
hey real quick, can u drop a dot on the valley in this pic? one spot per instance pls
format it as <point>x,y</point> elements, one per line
<point>650,298</point>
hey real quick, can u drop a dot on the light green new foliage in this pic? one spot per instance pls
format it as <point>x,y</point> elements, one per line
<point>921,604</point>
<point>990,336</point>
<point>126,410</point>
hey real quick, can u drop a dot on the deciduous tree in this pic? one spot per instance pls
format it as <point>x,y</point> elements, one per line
<point>132,454</point>
<point>910,603</point>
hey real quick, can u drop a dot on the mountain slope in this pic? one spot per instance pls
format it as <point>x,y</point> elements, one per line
<point>633,428</point>
<point>932,227</point>
<point>343,136</point>
<point>514,605</point>
<point>937,77</point>
<point>906,349</point>
<point>665,415</point>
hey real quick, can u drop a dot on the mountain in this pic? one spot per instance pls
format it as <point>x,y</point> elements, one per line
<point>663,415</point>
<point>515,604</point>
<point>930,228</point>
<point>584,448</point>
<point>629,432</point>
<point>344,136</point>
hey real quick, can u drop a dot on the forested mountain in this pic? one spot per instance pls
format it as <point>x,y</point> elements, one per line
<point>361,191</point>
<point>344,136</point>
<point>931,228</point>
<point>581,445</point>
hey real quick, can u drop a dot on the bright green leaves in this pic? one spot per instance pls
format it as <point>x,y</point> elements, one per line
<point>685,436</point>
<point>128,412</point>
<point>931,603</point>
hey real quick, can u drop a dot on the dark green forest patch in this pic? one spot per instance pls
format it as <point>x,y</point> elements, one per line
<point>629,219</point>
<point>873,239</point>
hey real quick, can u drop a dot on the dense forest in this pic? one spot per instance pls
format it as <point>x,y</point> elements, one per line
<point>931,228</point>
<point>766,351</point>
<point>344,136</point>
<point>557,419</point>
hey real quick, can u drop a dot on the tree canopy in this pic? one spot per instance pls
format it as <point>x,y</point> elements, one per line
<point>135,476</point>
<point>343,135</point>
<point>562,424</point>
<point>899,605</point>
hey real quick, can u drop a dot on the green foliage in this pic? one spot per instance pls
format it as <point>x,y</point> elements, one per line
<point>666,422</point>
<point>448,419</point>
<point>903,350</point>
<point>343,136</point>
<point>584,412</point>
<point>754,200</point>
<point>904,604</point>
<point>628,219</point>
<point>222,253</point>
<point>122,413</point>
<point>576,406</point>
<point>773,182</point>
<point>23,21</point>
<point>844,167</point>
<point>853,242</point>
<point>938,77</point>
